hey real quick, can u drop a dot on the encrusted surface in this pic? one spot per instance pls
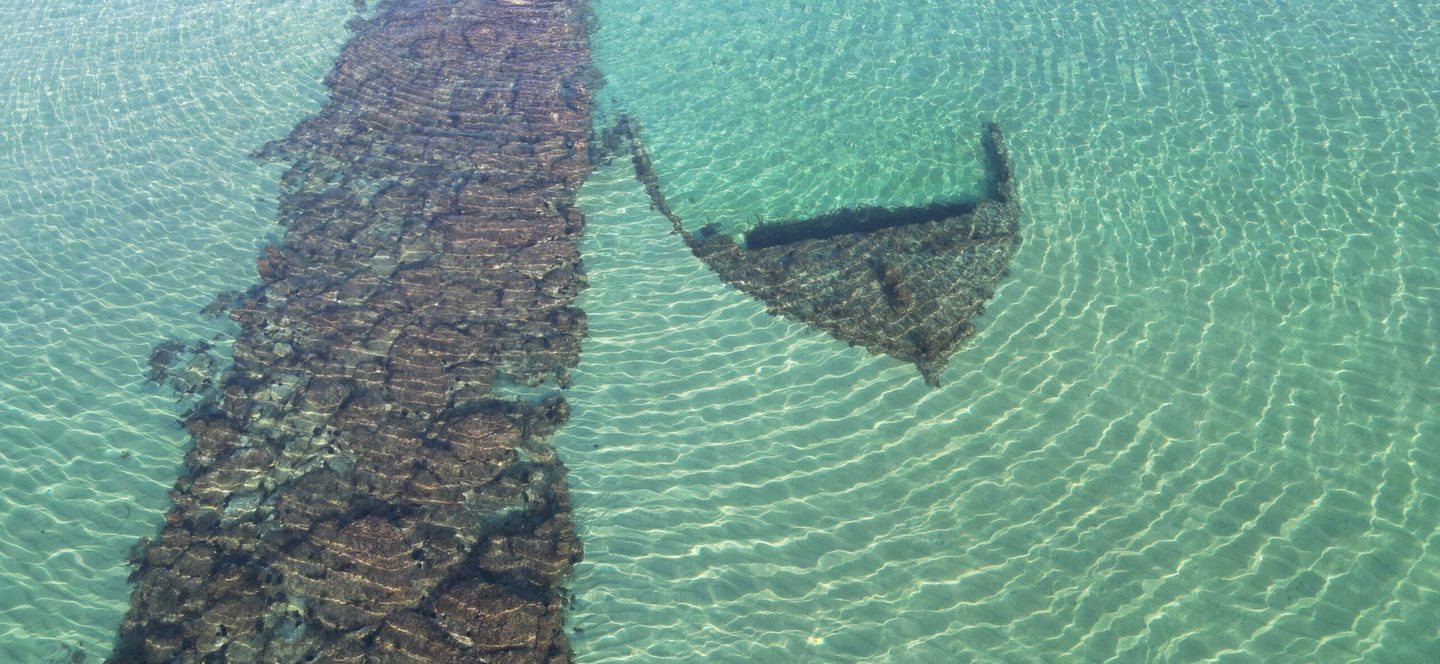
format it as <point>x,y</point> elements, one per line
<point>357,491</point>
<point>908,291</point>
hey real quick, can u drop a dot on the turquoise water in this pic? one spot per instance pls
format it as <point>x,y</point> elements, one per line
<point>1201,422</point>
<point>127,200</point>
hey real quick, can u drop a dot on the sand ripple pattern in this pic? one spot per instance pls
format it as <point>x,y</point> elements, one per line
<point>1200,426</point>
<point>127,200</point>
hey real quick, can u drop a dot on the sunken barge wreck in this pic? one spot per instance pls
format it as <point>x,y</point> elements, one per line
<point>904,281</point>
<point>358,489</point>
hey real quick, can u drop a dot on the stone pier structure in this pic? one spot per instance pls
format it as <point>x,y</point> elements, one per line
<point>360,488</point>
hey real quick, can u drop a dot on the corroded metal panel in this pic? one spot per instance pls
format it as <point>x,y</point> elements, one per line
<point>906,282</point>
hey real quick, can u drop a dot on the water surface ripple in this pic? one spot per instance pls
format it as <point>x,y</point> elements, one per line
<point>127,200</point>
<point>1199,425</point>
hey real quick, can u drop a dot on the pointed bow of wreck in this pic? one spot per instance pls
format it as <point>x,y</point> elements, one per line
<point>906,281</point>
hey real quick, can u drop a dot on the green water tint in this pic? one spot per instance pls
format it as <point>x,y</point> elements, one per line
<point>1200,428</point>
<point>127,201</point>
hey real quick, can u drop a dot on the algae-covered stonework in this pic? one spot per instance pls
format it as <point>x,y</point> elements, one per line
<point>358,489</point>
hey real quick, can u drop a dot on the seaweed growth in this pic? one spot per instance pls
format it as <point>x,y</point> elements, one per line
<point>357,490</point>
<point>906,282</point>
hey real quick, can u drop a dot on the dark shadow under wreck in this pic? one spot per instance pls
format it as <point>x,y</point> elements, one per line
<point>906,281</point>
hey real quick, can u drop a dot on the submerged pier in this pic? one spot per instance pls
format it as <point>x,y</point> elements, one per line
<point>359,490</point>
<point>905,281</point>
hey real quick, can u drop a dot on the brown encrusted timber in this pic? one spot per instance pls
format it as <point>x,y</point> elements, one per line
<point>357,490</point>
<point>905,282</point>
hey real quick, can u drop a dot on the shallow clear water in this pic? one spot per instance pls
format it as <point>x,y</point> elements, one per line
<point>1202,420</point>
<point>127,200</point>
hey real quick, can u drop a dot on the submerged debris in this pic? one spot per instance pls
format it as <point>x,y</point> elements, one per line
<point>224,301</point>
<point>188,370</point>
<point>906,282</point>
<point>69,654</point>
